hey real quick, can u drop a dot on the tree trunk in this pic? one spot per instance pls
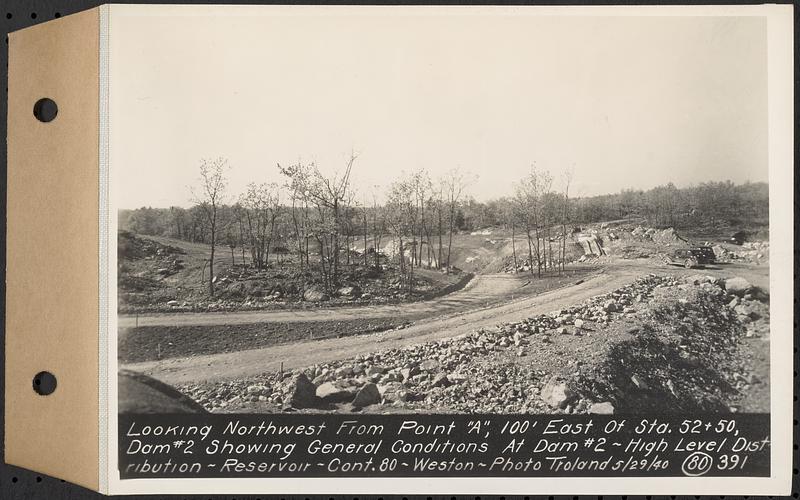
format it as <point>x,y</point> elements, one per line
<point>538,255</point>
<point>439,259</point>
<point>514,246</point>
<point>530,251</point>
<point>211,264</point>
<point>366,263</point>
<point>450,238</point>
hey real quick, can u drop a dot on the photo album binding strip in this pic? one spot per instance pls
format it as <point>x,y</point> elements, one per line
<point>305,250</point>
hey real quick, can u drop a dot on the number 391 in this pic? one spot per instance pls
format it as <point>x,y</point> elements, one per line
<point>730,462</point>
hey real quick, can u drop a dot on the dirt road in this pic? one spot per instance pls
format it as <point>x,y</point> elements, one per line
<point>245,363</point>
<point>448,320</point>
<point>481,290</point>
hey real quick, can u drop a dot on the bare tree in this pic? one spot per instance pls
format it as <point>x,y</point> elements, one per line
<point>209,197</point>
<point>564,218</point>
<point>401,214</point>
<point>262,207</point>
<point>378,227</point>
<point>330,197</point>
<point>297,178</point>
<point>530,196</point>
<point>455,182</point>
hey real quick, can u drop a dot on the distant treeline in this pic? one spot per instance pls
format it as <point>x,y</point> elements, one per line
<point>328,226</point>
<point>662,206</point>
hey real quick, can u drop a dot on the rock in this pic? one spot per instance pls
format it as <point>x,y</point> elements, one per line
<point>578,324</point>
<point>315,294</point>
<point>745,312</point>
<point>349,291</point>
<point>734,302</point>
<point>756,293</point>
<point>638,382</point>
<point>429,365</point>
<point>376,370</point>
<point>330,392</point>
<point>393,376</point>
<point>172,303</point>
<point>344,372</point>
<point>394,392</point>
<point>605,408</point>
<point>556,393</point>
<point>409,372</point>
<point>737,286</point>
<point>303,393</point>
<point>441,380</point>
<point>367,395</point>
<point>610,306</point>
<point>562,331</point>
<point>256,389</point>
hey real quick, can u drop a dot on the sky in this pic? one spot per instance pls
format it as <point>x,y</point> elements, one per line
<point>622,102</point>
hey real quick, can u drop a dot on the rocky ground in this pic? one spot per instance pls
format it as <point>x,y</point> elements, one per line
<point>662,343</point>
<point>633,239</point>
<point>158,277</point>
<point>143,265</point>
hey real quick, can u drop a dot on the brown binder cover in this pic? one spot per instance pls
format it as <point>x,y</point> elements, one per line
<point>52,275</point>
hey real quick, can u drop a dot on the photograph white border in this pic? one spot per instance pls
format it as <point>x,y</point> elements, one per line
<point>781,182</point>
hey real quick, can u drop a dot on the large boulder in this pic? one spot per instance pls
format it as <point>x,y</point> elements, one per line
<point>737,286</point>
<point>139,393</point>
<point>605,408</point>
<point>349,291</point>
<point>557,394</point>
<point>367,395</point>
<point>331,392</point>
<point>315,294</point>
<point>303,393</point>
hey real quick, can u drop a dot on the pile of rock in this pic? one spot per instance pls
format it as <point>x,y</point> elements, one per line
<point>131,246</point>
<point>664,237</point>
<point>424,370</point>
<point>751,305</point>
<point>523,266</point>
<point>756,252</point>
<point>454,373</point>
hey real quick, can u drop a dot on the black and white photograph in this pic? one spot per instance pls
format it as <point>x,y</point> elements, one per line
<point>572,218</point>
<point>370,213</point>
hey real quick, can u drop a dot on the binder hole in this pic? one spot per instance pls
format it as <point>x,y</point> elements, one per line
<point>44,383</point>
<point>8,15</point>
<point>45,110</point>
<point>33,15</point>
